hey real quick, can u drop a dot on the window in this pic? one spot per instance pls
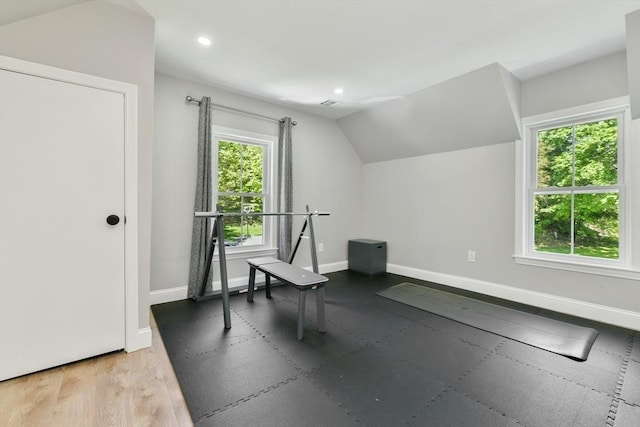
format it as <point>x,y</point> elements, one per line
<point>572,205</point>
<point>243,184</point>
<point>576,193</point>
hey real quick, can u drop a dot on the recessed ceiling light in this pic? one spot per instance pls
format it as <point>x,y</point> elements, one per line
<point>204,41</point>
<point>338,91</point>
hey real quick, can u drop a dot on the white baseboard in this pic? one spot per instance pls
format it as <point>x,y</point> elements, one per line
<point>601,313</point>
<point>167,295</point>
<point>332,267</point>
<point>141,340</point>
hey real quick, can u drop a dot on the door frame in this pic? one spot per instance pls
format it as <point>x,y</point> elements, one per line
<point>133,340</point>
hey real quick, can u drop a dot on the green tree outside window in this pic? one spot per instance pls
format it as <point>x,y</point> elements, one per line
<point>240,189</point>
<point>576,205</point>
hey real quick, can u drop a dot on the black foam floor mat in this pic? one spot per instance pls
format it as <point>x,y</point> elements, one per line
<point>452,408</point>
<point>296,403</point>
<point>520,391</point>
<point>384,363</point>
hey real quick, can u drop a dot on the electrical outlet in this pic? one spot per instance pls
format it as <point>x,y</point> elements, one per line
<point>471,256</point>
<point>320,247</point>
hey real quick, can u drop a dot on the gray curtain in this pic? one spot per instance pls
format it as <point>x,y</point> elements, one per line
<point>285,189</point>
<point>201,226</point>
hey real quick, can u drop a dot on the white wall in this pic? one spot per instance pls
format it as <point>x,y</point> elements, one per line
<point>106,40</point>
<point>425,122</point>
<point>592,81</point>
<point>327,175</point>
<point>448,203</point>
<point>432,209</point>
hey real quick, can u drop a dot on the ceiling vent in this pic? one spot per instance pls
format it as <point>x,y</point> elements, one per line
<point>329,103</point>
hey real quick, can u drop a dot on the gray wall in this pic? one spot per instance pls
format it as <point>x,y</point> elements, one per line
<point>591,81</point>
<point>432,209</point>
<point>427,121</point>
<point>327,175</point>
<point>106,40</point>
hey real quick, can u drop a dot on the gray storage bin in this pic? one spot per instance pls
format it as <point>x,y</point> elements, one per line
<point>368,256</point>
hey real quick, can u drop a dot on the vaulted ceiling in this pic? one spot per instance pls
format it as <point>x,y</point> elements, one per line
<point>298,52</point>
<point>406,60</point>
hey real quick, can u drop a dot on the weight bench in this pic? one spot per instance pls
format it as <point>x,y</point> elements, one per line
<point>297,277</point>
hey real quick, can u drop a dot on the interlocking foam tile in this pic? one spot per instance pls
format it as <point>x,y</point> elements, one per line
<point>451,408</point>
<point>635,350</point>
<point>599,371</point>
<point>631,384</point>
<point>436,355</point>
<point>462,332</point>
<point>270,316</point>
<point>316,348</point>
<point>211,381</point>
<point>402,310</point>
<point>367,321</point>
<point>357,294</point>
<point>626,416</point>
<point>296,403</point>
<point>377,390</point>
<point>169,313</point>
<point>533,397</point>
<point>187,338</point>
<point>612,340</point>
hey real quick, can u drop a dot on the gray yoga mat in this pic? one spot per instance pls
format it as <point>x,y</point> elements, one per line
<point>547,334</point>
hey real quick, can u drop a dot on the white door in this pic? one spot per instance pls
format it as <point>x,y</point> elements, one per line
<point>62,284</point>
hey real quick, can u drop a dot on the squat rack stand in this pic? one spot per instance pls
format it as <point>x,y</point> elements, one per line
<point>217,238</point>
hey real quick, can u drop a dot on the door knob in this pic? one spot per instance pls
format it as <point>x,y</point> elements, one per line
<point>113,219</point>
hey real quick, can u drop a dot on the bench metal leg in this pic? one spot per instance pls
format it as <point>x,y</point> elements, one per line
<point>320,306</point>
<point>252,283</point>
<point>301,301</point>
<point>267,284</point>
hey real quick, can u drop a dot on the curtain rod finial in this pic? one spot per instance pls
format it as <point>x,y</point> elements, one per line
<point>191,99</point>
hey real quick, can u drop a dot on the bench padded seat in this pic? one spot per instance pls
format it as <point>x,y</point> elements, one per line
<point>294,276</point>
<point>262,260</point>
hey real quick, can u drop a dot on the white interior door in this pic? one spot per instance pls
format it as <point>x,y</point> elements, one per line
<point>62,284</point>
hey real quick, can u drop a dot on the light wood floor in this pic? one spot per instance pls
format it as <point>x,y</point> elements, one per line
<point>117,389</point>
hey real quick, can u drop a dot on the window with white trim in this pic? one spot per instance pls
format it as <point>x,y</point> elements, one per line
<point>243,183</point>
<point>574,207</point>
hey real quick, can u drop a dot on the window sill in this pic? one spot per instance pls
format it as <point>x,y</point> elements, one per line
<point>601,270</point>
<point>237,253</point>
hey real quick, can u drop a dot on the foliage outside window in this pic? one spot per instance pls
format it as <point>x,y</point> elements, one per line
<point>577,197</point>
<point>242,184</point>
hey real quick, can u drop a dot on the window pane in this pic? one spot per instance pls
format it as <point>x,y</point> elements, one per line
<point>555,157</point>
<point>229,170</point>
<point>242,230</point>
<point>252,158</point>
<point>252,227</point>
<point>596,225</point>
<point>232,225</point>
<point>552,216</point>
<point>597,153</point>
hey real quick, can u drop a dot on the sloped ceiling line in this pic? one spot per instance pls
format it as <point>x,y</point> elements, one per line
<point>475,109</point>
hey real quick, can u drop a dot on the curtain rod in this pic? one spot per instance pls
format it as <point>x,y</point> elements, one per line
<point>192,100</point>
